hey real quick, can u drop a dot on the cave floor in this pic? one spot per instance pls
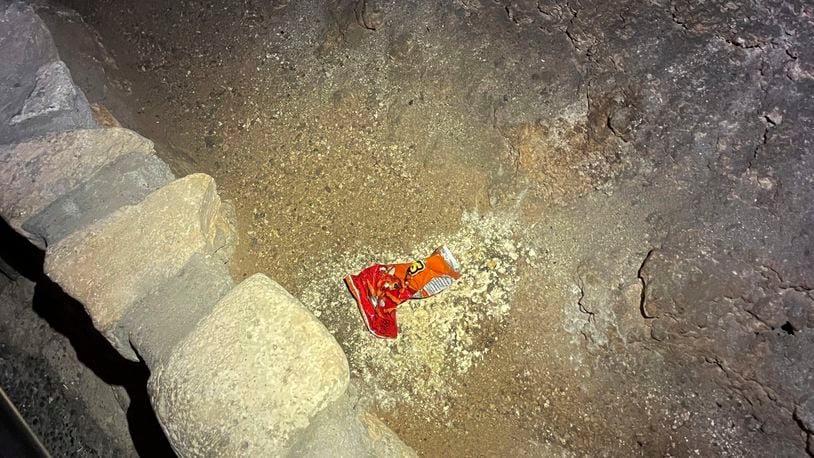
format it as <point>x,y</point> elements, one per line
<point>583,161</point>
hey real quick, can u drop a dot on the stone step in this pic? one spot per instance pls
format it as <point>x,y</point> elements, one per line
<point>37,94</point>
<point>250,377</point>
<point>126,181</point>
<point>112,264</point>
<point>34,174</point>
<point>165,316</point>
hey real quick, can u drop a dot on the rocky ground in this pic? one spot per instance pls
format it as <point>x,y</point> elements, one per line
<point>76,393</point>
<point>50,391</point>
<point>627,185</point>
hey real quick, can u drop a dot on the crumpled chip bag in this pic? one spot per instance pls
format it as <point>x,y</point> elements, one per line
<point>381,288</point>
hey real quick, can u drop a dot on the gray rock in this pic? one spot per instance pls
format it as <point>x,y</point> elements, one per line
<point>25,45</point>
<point>80,47</point>
<point>112,264</point>
<point>34,174</point>
<point>123,182</point>
<point>623,122</point>
<point>54,105</point>
<point>250,377</point>
<point>37,93</point>
<point>804,413</point>
<point>53,91</point>
<point>657,331</point>
<point>158,322</point>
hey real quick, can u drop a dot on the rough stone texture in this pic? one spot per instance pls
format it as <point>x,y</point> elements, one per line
<point>71,409</point>
<point>342,430</point>
<point>124,182</point>
<point>249,377</point>
<point>55,99</point>
<point>37,93</point>
<point>34,174</point>
<point>804,413</point>
<point>25,45</point>
<point>159,321</point>
<point>226,238</point>
<point>115,262</point>
<point>53,91</point>
<point>80,48</point>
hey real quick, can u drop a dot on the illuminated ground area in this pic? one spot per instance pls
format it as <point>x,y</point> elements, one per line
<point>627,186</point>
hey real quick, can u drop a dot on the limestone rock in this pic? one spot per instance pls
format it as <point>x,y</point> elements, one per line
<point>158,322</point>
<point>25,45</point>
<point>34,174</point>
<point>26,42</point>
<point>249,377</point>
<point>341,430</point>
<point>37,92</point>
<point>117,261</point>
<point>124,182</point>
<point>53,92</point>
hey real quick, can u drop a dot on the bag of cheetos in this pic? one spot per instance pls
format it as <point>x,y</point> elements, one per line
<point>381,288</point>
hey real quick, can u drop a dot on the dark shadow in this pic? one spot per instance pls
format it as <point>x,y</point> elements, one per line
<point>18,253</point>
<point>67,316</point>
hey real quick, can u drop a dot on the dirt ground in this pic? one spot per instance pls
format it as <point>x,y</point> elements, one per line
<point>558,148</point>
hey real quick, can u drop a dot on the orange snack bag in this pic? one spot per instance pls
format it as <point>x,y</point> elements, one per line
<point>381,288</point>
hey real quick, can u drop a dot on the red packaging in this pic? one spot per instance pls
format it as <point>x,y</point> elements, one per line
<point>381,288</point>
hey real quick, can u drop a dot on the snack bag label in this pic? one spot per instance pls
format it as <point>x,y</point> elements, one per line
<point>415,267</point>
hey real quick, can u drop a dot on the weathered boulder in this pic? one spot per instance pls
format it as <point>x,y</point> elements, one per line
<point>54,105</point>
<point>112,264</point>
<point>37,92</point>
<point>157,323</point>
<point>36,173</point>
<point>804,413</point>
<point>250,377</point>
<point>125,181</point>
<point>25,45</point>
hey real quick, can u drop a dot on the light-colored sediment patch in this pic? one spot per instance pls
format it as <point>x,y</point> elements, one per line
<point>441,337</point>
